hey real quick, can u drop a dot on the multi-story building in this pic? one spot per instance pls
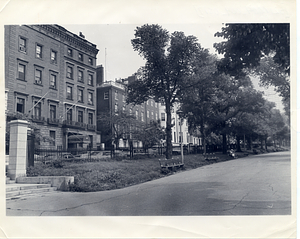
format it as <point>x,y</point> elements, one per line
<point>50,76</point>
<point>111,98</point>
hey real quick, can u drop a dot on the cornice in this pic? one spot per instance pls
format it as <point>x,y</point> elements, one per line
<point>65,35</point>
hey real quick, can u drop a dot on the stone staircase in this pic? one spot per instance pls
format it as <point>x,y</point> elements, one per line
<point>19,190</point>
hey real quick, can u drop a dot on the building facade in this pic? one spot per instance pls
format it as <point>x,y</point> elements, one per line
<point>50,79</point>
<point>180,129</point>
<point>111,98</point>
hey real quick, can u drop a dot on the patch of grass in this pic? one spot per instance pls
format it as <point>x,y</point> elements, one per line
<point>117,173</point>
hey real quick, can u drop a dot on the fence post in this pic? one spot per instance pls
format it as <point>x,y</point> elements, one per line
<point>17,148</point>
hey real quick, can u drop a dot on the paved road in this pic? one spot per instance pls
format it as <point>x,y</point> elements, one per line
<point>255,185</point>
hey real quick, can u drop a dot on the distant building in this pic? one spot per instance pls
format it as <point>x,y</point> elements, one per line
<point>111,98</point>
<point>50,77</point>
<point>180,129</point>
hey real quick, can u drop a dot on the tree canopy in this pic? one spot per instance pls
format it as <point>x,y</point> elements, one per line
<point>247,44</point>
<point>170,61</point>
<point>262,49</point>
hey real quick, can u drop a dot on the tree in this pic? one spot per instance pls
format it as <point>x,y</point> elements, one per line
<point>169,63</point>
<point>115,126</point>
<point>149,134</point>
<point>266,46</point>
<point>247,43</point>
<point>197,100</point>
<point>270,74</point>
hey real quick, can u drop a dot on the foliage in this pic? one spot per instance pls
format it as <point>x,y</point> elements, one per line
<point>247,43</point>
<point>149,134</point>
<point>169,63</point>
<point>35,128</point>
<point>216,102</point>
<point>262,48</point>
<point>270,74</point>
<point>116,125</point>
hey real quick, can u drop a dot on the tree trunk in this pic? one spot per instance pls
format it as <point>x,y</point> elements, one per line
<point>249,143</point>
<point>131,148</point>
<point>168,131</point>
<point>203,138</point>
<point>238,145</point>
<point>266,147</point>
<point>261,143</point>
<point>224,143</point>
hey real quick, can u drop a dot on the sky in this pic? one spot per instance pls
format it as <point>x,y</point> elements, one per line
<point>120,60</point>
<point>114,43</point>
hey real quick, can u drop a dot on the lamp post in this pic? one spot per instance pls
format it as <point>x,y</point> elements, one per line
<point>179,112</point>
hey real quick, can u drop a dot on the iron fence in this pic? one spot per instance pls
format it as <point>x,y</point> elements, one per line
<point>46,155</point>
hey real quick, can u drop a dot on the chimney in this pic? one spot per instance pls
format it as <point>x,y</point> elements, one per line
<point>81,35</point>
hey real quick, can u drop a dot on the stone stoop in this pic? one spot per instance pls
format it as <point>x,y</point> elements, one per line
<point>17,191</point>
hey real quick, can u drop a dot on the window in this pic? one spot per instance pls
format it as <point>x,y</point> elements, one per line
<point>90,98</point>
<point>151,102</point>
<point>53,57</point>
<point>124,98</point>
<point>91,118</point>
<point>69,114</point>
<point>70,52</point>
<point>21,105</point>
<point>163,117</point>
<point>80,56</point>
<point>69,72</point>
<point>69,93</point>
<point>80,116</point>
<point>52,136</point>
<point>38,77</point>
<point>148,114</point>
<point>52,112</point>
<point>80,95</point>
<point>106,94</point>
<point>116,95</point>
<point>124,108</point>
<point>137,115</point>
<point>155,116</point>
<point>90,80</point>
<point>52,81</point>
<point>80,75</point>
<point>142,116</point>
<point>37,111</point>
<point>21,71</point>
<point>38,51</point>
<point>151,114</point>
<point>22,44</point>
<point>90,61</point>
<point>116,107</point>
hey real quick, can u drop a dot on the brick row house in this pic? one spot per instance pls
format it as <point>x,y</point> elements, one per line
<point>111,98</point>
<point>50,78</point>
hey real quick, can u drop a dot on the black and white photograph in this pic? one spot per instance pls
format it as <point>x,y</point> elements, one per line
<point>155,119</point>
